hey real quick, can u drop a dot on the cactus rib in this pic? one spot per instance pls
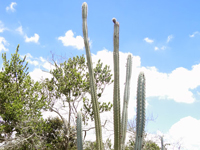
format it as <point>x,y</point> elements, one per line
<point>95,103</point>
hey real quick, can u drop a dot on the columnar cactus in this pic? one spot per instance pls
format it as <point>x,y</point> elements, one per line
<point>116,90</point>
<point>162,146</point>
<point>95,103</point>
<point>126,100</point>
<point>79,131</point>
<point>119,127</point>
<point>140,120</point>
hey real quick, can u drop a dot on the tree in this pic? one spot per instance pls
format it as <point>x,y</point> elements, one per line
<point>20,104</point>
<point>69,85</point>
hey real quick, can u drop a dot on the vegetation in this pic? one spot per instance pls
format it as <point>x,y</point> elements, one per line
<point>21,103</point>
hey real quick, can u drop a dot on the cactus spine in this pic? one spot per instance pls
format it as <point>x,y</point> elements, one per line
<point>126,100</point>
<point>95,103</point>
<point>79,131</point>
<point>116,89</point>
<point>140,120</point>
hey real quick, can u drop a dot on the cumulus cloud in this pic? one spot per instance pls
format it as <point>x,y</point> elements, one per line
<point>69,40</point>
<point>193,35</point>
<point>34,38</point>
<point>148,40</point>
<point>37,74</point>
<point>11,7</point>
<point>3,43</point>
<point>184,134</point>
<point>169,38</point>
<point>158,84</point>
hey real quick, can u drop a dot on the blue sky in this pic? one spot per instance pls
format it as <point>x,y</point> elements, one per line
<point>162,36</point>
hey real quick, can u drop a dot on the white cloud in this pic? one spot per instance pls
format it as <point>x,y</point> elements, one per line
<point>11,7</point>
<point>34,38</point>
<point>37,74</point>
<point>20,30</point>
<point>42,59</point>
<point>186,133</point>
<point>28,55</point>
<point>156,48</point>
<point>158,84</point>
<point>48,66</point>
<point>148,40</point>
<point>194,34</point>
<point>70,40</point>
<point>3,43</point>
<point>34,62</point>
<point>169,38</point>
<point>29,58</point>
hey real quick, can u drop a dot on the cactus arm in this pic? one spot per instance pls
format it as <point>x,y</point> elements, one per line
<point>126,100</point>
<point>140,120</point>
<point>95,103</point>
<point>79,131</point>
<point>116,90</point>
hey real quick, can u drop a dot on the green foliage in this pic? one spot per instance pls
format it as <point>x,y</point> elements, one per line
<point>150,145</point>
<point>21,101</point>
<point>147,145</point>
<point>70,80</point>
<point>70,83</point>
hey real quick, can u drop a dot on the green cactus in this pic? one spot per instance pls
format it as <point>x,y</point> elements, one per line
<point>116,90</point>
<point>119,133</point>
<point>79,131</point>
<point>126,100</point>
<point>140,120</point>
<point>162,146</point>
<point>95,103</point>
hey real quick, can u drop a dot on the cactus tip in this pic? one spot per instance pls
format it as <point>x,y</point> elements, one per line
<point>114,20</point>
<point>84,10</point>
<point>84,4</point>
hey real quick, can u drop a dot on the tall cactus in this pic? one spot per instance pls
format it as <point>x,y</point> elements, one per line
<point>79,131</point>
<point>126,100</point>
<point>116,90</point>
<point>95,103</point>
<point>140,120</point>
<point>119,133</point>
